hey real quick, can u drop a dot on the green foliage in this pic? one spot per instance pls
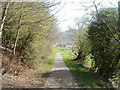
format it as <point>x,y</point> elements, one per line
<point>47,65</point>
<point>87,79</point>
<point>104,48</point>
<point>96,46</point>
<point>36,31</point>
<point>81,45</point>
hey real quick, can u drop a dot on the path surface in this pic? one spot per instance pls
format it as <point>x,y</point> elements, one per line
<point>61,76</point>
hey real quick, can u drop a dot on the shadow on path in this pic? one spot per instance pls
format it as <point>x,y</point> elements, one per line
<point>61,76</point>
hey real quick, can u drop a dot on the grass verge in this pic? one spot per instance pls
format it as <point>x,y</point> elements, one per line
<point>87,79</point>
<point>47,65</point>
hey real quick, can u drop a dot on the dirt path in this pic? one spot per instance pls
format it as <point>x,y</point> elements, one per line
<point>61,76</point>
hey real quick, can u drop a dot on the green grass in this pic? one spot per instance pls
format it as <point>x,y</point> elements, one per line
<point>87,79</point>
<point>47,66</point>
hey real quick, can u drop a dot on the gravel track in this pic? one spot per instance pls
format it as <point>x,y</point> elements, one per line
<point>61,76</point>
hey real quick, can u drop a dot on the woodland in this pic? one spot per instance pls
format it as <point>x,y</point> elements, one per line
<point>29,32</point>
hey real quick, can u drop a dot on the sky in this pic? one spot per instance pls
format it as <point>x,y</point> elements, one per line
<point>68,10</point>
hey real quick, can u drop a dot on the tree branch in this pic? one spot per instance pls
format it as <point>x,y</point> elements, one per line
<point>105,23</point>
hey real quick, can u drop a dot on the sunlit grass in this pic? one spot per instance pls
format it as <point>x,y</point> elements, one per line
<point>87,79</point>
<point>47,66</point>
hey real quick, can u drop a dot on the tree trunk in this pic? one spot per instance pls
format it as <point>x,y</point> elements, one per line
<point>119,20</point>
<point>23,48</point>
<point>4,14</point>
<point>15,44</point>
<point>78,56</point>
<point>118,30</point>
<point>18,30</point>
